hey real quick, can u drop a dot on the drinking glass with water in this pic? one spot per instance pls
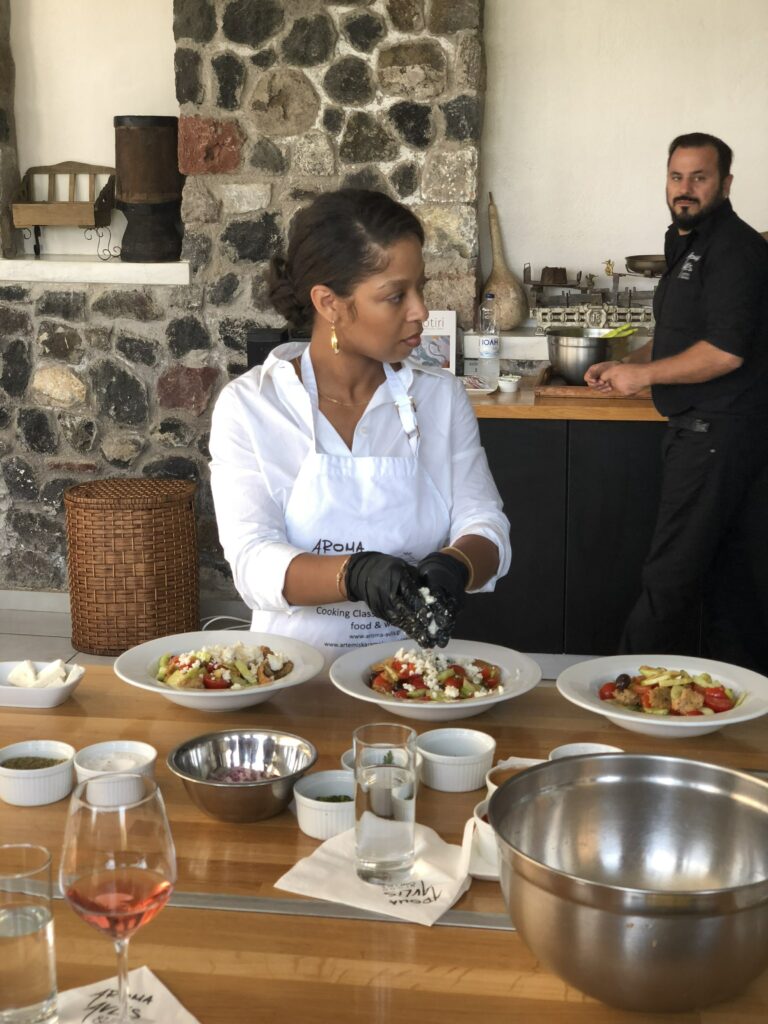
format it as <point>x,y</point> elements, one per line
<point>385,801</point>
<point>27,959</point>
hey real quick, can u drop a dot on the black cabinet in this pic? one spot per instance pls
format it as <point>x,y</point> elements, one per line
<point>581,497</point>
<point>528,462</point>
<point>614,477</point>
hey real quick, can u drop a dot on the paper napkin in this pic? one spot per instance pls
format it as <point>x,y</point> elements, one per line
<point>149,999</point>
<point>439,876</point>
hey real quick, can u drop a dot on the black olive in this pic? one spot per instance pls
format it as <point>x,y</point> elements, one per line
<point>623,681</point>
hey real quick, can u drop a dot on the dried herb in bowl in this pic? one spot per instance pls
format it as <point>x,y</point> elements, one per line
<point>26,763</point>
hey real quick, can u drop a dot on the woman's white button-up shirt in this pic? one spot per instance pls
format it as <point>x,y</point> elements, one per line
<point>263,427</point>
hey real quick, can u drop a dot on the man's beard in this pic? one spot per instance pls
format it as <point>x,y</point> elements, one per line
<point>687,220</point>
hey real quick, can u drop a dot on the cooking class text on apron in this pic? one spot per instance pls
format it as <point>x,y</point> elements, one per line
<point>341,504</point>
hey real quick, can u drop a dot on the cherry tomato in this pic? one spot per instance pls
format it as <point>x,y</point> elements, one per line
<point>216,682</point>
<point>416,681</point>
<point>491,683</point>
<point>717,699</point>
<point>458,671</point>
<point>607,691</point>
<point>382,683</point>
<point>399,693</point>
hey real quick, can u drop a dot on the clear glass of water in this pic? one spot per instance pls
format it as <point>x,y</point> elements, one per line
<point>385,801</point>
<point>27,958</point>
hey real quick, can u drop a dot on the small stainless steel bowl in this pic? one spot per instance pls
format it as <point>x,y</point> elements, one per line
<point>572,350</point>
<point>641,880</point>
<point>281,756</point>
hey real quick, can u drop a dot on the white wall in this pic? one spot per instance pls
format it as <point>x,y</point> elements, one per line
<point>78,64</point>
<point>584,96</point>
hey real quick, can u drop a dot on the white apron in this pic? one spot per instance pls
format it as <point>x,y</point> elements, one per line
<point>341,504</point>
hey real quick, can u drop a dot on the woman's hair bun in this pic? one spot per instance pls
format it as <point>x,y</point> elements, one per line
<point>282,293</point>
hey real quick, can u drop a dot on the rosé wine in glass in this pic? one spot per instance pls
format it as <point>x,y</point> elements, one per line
<point>118,865</point>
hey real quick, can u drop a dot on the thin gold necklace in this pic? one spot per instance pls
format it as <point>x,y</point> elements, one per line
<point>348,405</point>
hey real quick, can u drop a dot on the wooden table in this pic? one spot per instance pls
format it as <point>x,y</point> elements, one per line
<point>293,964</point>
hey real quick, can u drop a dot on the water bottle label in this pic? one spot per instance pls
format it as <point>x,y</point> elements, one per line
<point>488,346</point>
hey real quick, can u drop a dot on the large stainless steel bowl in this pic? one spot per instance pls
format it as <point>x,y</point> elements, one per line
<point>280,756</point>
<point>572,350</point>
<point>641,880</point>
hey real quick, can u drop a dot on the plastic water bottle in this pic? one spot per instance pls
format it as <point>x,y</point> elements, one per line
<point>488,361</point>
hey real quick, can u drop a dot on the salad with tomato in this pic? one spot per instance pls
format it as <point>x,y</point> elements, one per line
<point>222,668</point>
<point>434,676</point>
<point>666,691</point>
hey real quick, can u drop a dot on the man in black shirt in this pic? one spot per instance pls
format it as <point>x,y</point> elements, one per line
<point>707,366</point>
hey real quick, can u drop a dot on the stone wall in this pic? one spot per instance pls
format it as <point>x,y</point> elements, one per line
<point>279,100</point>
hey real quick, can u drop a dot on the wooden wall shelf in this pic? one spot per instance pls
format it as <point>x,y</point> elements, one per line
<point>95,212</point>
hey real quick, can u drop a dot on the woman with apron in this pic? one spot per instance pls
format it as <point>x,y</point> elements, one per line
<point>353,499</point>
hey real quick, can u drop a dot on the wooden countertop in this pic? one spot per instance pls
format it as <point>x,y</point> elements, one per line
<point>524,405</point>
<point>239,966</point>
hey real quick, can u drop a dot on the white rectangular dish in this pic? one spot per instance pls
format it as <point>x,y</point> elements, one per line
<point>32,696</point>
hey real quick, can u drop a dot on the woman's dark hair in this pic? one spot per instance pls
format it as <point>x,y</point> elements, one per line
<point>338,241</point>
<point>694,140</point>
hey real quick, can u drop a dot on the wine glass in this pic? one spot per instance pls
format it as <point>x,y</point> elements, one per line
<point>118,865</point>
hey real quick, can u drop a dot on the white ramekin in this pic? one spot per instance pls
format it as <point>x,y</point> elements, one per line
<point>455,760</point>
<point>318,818</point>
<point>347,760</point>
<point>137,758</point>
<point>30,787</point>
<point>509,383</point>
<point>506,769</point>
<point>486,837</point>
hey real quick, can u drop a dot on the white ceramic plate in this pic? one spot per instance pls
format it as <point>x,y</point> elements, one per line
<point>32,696</point>
<point>138,666</point>
<point>580,684</point>
<point>351,671</point>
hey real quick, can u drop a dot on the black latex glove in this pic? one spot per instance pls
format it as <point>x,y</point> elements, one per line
<point>445,578</point>
<point>390,588</point>
<point>444,574</point>
<point>437,619</point>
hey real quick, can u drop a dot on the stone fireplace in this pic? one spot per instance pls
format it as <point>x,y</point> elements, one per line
<point>278,100</point>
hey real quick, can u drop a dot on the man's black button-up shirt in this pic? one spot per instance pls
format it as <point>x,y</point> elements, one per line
<point>715,289</point>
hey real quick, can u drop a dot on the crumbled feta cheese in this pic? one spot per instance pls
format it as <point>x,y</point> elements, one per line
<point>276,662</point>
<point>430,663</point>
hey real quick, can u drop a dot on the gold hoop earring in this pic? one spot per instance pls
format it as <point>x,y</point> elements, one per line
<point>334,340</point>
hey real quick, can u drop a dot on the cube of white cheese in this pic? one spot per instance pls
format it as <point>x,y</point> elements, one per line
<point>75,672</point>
<point>22,674</point>
<point>52,675</point>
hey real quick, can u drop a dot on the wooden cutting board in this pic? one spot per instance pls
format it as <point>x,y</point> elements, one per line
<point>559,389</point>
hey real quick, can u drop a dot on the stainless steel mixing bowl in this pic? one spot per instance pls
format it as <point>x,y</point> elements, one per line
<point>641,880</point>
<point>280,756</point>
<point>572,350</point>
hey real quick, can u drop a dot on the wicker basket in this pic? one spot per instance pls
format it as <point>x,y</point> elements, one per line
<point>133,568</point>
